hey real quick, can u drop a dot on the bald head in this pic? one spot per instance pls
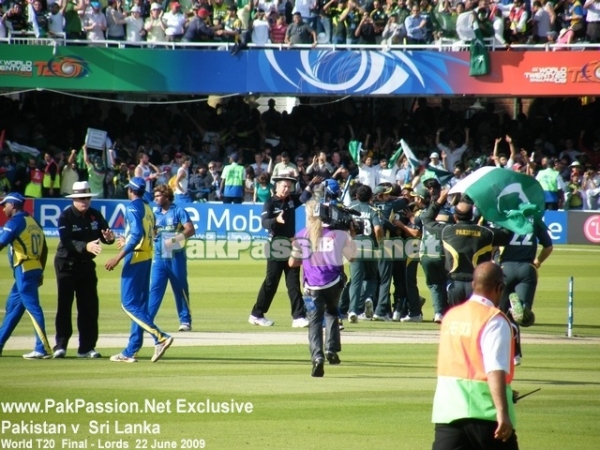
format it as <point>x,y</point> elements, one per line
<point>488,281</point>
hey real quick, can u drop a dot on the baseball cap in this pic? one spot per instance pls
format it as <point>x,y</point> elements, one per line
<point>234,157</point>
<point>156,6</point>
<point>203,13</point>
<point>420,191</point>
<point>136,9</point>
<point>95,4</point>
<point>136,184</point>
<point>383,190</point>
<point>14,197</point>
<point>575,164</point>
<point>434,155</point>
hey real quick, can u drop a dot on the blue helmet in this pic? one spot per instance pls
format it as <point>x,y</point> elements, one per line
<point>331,187</point>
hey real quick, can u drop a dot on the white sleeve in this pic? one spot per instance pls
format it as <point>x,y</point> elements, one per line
<point>496,344</point>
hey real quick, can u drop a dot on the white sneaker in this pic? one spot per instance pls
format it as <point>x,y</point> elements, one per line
<point>517,360</point>
<point>418,318</point>
<point>185,327</point>
<point>301,322</point>
<point>352,317</point>
<point>36,355</point>
<point>438,318</point>
<point>369,308</point>
<point>384,318</point>
<point>93,354</point>
<point>122,358</point>
<point>60,353</point>
<point>260,321</point>
<point>396,316</point>
<point>160,349</point>
<point>363,316</point>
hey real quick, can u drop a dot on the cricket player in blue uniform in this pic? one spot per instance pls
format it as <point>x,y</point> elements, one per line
<point>137,248</point>
<point>172,227</point>
<point>27,257</point>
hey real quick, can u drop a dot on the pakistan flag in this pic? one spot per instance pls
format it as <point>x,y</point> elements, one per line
<point>480,58</point>
<point>507,198</point>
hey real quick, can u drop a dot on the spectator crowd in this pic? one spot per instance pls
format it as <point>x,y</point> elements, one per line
<point>206,154</point>
<point>262,22</point>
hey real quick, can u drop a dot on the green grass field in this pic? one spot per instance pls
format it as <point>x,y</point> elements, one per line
<point>379,398</point>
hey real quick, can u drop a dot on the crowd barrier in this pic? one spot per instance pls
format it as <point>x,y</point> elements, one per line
<point>241,222</point>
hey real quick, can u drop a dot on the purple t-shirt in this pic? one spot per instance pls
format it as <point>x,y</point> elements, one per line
<point>323,266</point>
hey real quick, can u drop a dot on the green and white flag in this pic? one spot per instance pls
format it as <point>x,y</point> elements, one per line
<point>480,57</point>
<point>413,161</point>
<point>355,147</point>
<point>443,176</point>
<point>510,199</point>
<point>23,150</point>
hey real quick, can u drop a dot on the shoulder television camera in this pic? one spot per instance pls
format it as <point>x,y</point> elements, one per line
<point>338,217</point>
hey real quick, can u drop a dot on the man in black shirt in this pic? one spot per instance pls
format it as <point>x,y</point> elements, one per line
<point>279,219</point>
<point>519,261</point>
<point>81,231</point>
<point>465,244</point>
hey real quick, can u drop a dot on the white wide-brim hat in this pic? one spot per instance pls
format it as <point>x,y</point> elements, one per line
<point>81,189</point>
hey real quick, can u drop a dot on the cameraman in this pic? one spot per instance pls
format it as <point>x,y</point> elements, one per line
<point>279,219</point>
<point>320,251</point>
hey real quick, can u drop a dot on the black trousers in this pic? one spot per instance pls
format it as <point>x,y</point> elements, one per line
<point>458,291</point>
<point>76,279</point>
<point>471,434</point>
<point>269,288</point>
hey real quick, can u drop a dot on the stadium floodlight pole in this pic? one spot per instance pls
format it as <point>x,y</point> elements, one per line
<point>570,309</point>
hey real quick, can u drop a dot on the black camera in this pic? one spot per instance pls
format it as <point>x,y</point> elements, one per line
<point>338,217</point>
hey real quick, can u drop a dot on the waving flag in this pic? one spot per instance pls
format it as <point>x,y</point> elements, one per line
<point>23,150</point>
<point>508,198</point>
<point>355,147</point>
<point>443,176</point>
<point>412,159</point>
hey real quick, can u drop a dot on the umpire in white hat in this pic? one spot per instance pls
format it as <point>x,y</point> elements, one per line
<point>82,232</point>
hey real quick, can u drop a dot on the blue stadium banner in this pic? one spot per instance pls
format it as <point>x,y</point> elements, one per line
<point>215,219</point>
<point>556,221</point>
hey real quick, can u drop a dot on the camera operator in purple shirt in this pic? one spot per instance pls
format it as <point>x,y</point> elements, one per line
<point>321,251</point>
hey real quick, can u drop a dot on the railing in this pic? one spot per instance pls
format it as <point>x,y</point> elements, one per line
<point>444,45</point>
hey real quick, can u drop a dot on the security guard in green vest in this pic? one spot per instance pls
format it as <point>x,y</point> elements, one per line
<point>552,184</point>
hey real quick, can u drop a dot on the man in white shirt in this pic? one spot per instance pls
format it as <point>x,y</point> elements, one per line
<point>451,154</point>
<point>592,19</point>
<point>367,174</point>
<point>56,23</point>
<point>387,174</point>
<point>260,29</point>
<point>259,166</point>
<point>434,161</point>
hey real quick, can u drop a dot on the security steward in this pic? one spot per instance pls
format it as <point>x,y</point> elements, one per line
<point>82,232</point>
<point>278,217</point>
<point>465,244</point>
